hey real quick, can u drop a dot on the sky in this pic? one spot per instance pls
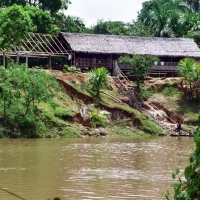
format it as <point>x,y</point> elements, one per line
<point>114,10</point>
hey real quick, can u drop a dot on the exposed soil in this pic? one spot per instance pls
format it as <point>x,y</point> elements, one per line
<point>165,108</point>
<point>162,109</point>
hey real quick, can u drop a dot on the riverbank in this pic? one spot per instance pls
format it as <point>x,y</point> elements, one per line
<point>167,94</point>
<point>76,112</point>
<point>123,119</point>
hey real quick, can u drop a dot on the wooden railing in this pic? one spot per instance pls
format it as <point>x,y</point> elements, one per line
<point>91,63</point>
<point>165,66</point>
<point>88,63</point>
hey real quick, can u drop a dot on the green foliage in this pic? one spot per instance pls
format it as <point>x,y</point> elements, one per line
<point>139,29</point>
<point>150,127</point>
<point>74,24</point>
<point>145,94</point>
<point>98,118</point>
<point>71,132</point>
<point>50,6</point>
<point>42,20</point>
<point>124,122</point>
<point>189,188</point>
<point>22,89</point>
<point>110,28</point>
<point>15,23</point>
<point>170,91</point>
<point>99,78</point>
<point>188,69</point>
<point>69,69</point>
<point>139,63</point>
<point>165,18</point>
<point>35,83</point>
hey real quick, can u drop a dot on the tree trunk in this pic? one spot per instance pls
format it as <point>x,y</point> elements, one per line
<point>4,110</point>
<point>138,83</point>
<point>27,107</point>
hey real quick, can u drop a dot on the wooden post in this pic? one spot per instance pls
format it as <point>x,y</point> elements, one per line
<point>74,59</point>
<point>115,71</point>
<point>49,62</point>
<point>17,59</point>
<point>27,60</point>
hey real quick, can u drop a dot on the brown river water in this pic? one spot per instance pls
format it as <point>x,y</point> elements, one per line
<point>90,169</point>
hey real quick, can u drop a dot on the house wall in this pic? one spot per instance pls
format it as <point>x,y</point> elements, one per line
<point>167,66</point>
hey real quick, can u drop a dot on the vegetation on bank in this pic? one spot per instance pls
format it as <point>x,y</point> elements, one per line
<point>33,105</point>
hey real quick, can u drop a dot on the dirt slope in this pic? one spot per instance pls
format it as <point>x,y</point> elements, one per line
<point>164,109</point>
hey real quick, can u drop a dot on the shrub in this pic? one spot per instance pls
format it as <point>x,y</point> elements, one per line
<point>170,91</point>
<point>99,118</point>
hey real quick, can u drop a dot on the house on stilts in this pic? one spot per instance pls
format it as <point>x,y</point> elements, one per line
<point>87,51</point>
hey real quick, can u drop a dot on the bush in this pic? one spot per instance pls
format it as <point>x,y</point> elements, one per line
<point>145,94</point>
<point>98,118</point>
<point>170,91</point>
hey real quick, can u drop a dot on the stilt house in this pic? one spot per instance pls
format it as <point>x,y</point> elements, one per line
<point>92,50</point>
<point>86,51</point>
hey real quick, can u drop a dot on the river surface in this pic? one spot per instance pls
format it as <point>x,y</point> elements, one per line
<point>90,169</point>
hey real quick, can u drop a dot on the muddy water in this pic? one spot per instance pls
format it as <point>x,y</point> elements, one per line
<point>84,169</point>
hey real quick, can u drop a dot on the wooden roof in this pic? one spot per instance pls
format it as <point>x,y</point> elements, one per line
<point>92,43</point>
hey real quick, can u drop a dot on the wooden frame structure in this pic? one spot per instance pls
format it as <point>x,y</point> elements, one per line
<point>39,46</point>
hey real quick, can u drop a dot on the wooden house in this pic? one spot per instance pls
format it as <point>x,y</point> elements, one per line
<point>92,50</point>
<point>87,51</point>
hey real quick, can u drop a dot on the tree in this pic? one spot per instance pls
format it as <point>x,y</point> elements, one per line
<point>15,23</point>
<point>8,92</point>
<point>139,63</point>
<point>139,29</point>
<point>42,20</point>
<point>99,76</point>
<point>21,91</point>
<point>194,27</point>
<point>188,70</point>
<point>194,5</point>
<point>36,84</point>
<point>167,18</point>
<point>110,28</point>
<point>49,5</point>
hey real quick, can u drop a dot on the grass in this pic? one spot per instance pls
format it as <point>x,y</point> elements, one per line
<point>145,94</point>
<point>171,91</point>
<point>151,127</point>
<point>71,131</point>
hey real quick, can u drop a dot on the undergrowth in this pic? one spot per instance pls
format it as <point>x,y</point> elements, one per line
<point>171,91</point>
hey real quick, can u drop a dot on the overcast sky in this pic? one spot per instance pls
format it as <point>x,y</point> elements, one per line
<point>115,10</point>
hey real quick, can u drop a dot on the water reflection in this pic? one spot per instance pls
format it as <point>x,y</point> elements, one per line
<point>80,169</point>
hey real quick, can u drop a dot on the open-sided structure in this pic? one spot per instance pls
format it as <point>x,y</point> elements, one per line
<point>39,46</point>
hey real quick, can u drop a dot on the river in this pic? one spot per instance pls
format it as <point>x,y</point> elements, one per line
<point>90,168</point>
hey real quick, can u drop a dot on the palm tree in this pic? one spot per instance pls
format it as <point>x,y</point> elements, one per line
<point>167,18</point>
<point>188,70</point>
<point>99,76</point>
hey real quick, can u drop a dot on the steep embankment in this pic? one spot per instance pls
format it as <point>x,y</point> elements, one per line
<point>124,119</point>
<point>170,97</point>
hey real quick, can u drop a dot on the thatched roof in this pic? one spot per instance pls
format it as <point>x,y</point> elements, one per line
<point>131,45</point>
